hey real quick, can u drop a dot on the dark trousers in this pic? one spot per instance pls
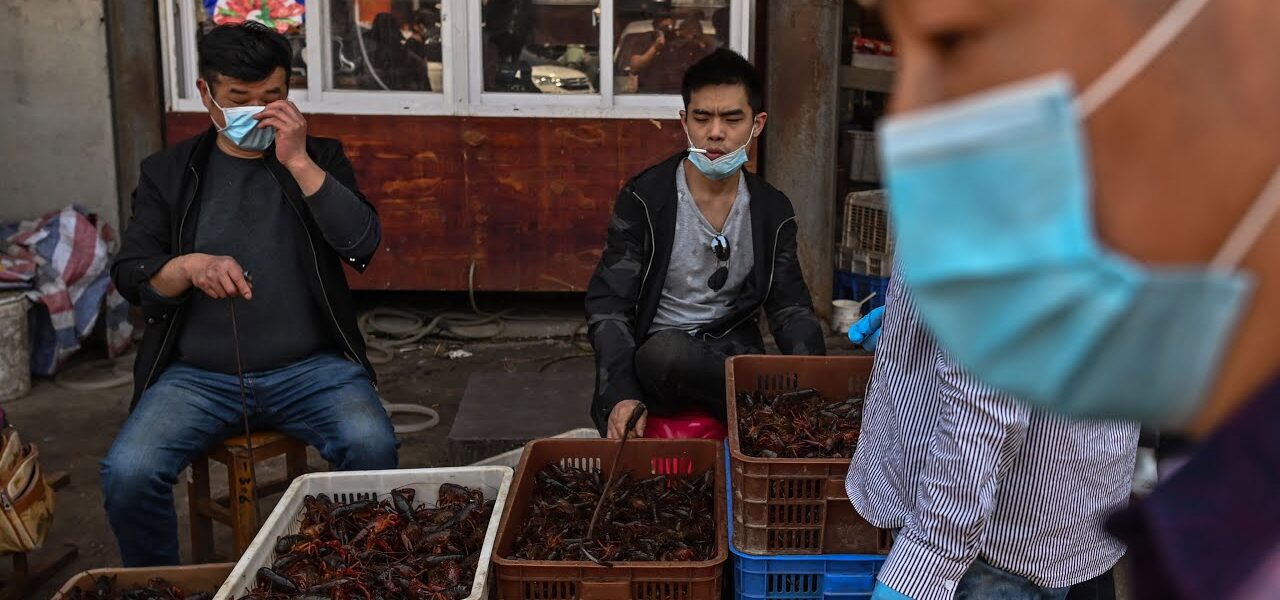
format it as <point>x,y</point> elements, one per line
<point>985,582</point>
<point>678,371</point>
<point>1102,587</point>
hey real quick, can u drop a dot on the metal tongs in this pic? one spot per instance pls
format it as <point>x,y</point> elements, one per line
<point>608,486</point>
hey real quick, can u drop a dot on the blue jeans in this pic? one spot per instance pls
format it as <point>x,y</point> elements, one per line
<point>985,582</point>
<point>325,401</point>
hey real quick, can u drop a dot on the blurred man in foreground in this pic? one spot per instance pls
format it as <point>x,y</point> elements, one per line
<point>1065,243</point>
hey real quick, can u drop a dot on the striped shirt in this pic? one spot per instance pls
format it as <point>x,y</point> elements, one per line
<point>965,472</point>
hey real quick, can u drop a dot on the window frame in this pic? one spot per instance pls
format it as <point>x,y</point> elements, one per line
<point>462,93</point>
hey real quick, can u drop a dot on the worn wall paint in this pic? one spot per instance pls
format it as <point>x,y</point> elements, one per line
<point>528,200</point>
<point>55,129</point>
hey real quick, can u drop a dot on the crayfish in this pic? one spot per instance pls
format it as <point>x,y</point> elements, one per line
<point>798,424</point>
<point>661,518</point>
<point>371,549</point>
<point>104,588</point>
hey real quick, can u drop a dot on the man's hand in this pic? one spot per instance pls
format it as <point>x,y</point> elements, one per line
<point>291,144</point>
<point>866,332</point>
<point>291,132</point>
<point>217,276</point>
<point>618,419</point>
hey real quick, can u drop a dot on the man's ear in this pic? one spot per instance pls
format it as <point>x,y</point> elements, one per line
<point>760,120</point>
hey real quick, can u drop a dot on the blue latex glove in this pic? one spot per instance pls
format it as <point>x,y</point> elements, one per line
<point>884,592</point>
<point>866,332</point>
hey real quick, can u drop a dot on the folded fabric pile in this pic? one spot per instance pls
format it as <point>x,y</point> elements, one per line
<point>63,261</point>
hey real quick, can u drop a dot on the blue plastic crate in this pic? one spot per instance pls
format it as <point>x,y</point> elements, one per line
<point>800,577</point>
<point>855,286</point>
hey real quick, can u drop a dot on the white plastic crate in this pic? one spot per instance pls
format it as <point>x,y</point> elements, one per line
<point>866,224</point>
<point>351,486</point>
<point>861,263</point>
<point>511,458</point>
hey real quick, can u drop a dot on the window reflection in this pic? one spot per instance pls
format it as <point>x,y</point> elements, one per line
<point>390,45</point>
<point>541,46</point>
<point>656,42</point>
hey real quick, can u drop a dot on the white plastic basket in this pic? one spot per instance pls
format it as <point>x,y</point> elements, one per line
<point>866,224</point>
<point>511,458</point>
<point>351,486</point>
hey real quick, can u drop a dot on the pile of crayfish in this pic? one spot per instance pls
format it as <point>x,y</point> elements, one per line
<point>799,424</point>
<point>661,518</point>
<point>390,549</point>
<point>104,588</point>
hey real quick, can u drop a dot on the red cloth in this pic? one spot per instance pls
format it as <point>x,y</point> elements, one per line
<point>688,424</point>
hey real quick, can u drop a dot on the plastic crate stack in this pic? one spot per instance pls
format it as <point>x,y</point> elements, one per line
<point>792,531</point>
<point>864,258</point>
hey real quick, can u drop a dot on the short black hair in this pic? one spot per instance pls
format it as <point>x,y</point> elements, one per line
<point>248,51</point>
<point>724,67</point>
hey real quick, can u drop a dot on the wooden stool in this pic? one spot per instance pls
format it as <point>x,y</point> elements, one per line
<point>240,509</point>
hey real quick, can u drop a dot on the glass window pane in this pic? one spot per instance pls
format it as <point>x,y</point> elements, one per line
<point>393,45</point>
<point>285,16</point>
<point>541,46</point>
<point>656,42</point>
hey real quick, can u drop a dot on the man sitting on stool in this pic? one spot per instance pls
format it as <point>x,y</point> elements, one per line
<point>254,193</point>
<point>695,248</point>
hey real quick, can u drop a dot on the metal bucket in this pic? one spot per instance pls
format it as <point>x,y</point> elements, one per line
<point>15,346</point>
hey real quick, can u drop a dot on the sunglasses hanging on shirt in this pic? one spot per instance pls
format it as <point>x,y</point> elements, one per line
<point>719,247</point>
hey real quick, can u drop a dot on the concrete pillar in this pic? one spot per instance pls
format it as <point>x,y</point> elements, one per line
<point>137,107</point>
<point>803,56</point>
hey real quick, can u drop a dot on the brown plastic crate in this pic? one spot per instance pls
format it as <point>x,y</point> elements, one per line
<point>584,580</point>
<point>191,578</point>
<point>796,505</point>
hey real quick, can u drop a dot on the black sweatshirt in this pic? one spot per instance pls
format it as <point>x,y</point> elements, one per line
<point>246,216</point>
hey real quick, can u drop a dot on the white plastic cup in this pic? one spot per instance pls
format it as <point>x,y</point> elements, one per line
<point>844,313</point>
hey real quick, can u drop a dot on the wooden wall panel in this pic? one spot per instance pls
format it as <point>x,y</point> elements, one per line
<point>526,199</point>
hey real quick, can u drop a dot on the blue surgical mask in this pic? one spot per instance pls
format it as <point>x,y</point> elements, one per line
<point>242,129</point>
<point>722,167</point>
<point>991,200</point>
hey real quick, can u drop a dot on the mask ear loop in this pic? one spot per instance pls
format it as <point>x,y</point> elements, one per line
<point>1142,54</point>
<point>215,103</point>
<point>1250,228</point>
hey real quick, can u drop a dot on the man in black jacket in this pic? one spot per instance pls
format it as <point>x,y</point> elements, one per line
<point>234,252</point>
<point>695,248</point>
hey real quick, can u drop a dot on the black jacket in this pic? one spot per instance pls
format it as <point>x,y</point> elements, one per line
<point>166,207</point>
<point>623,295</point>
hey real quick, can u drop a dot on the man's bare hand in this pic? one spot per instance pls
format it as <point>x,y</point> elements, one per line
<point>218,276</point>
<point>618,419</point>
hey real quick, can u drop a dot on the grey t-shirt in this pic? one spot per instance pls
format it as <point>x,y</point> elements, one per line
<point>244,215</point>
<point>687,301</point>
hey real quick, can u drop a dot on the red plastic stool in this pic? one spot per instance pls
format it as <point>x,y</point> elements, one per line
<point>687,424</point>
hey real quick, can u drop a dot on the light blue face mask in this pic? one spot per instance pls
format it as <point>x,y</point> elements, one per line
<point>991,202</point>
<point>722,167</point>
<point>242,129</point>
